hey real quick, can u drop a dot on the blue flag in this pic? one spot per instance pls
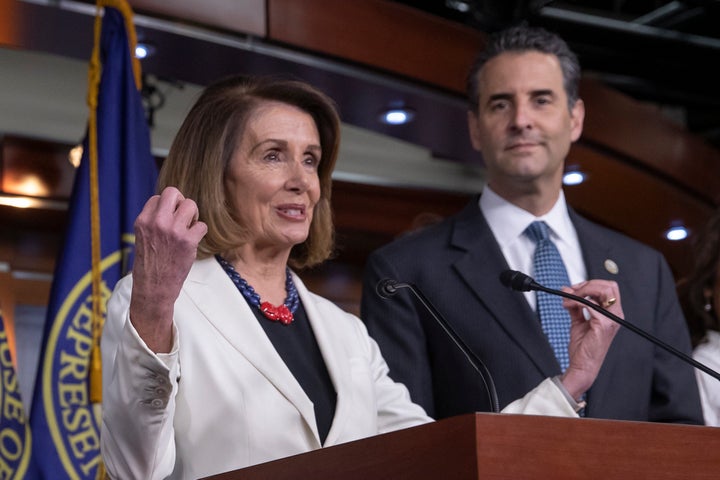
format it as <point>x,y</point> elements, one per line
<point>116,176</point>
<point>14,429</point>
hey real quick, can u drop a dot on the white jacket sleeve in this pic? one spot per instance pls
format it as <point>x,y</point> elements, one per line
<point>395,408</point>
<point>545,399</point>
<point>139,387</point>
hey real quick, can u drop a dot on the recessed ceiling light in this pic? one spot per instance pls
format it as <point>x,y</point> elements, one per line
<point>574,177</point>
<point>458,5</point>
<point>397,116</point>
<point>144,50</point>
<point>676,233</point>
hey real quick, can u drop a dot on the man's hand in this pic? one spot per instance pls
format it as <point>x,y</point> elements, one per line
<point>591,335</point>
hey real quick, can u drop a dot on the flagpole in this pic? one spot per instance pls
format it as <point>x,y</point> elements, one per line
<point>94,73</point>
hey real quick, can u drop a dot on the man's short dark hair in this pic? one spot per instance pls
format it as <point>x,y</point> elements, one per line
<point>523,39</point>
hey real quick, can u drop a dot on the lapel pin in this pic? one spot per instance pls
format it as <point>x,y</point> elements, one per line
<point>611,266</point>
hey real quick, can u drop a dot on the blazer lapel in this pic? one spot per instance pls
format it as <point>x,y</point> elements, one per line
<point>336,361</point>
<point>480,268</point>
<point>225,308</point>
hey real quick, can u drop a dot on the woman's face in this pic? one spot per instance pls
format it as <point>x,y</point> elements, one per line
<point>272,178</point>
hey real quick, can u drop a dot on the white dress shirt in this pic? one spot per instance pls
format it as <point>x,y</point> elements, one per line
<point>508,222</point>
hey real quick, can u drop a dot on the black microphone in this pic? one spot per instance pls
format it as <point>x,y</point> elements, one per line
<point>387,288</point>
<point>520,282</point>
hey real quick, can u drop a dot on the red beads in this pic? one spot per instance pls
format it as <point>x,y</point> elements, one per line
<point>277,314</point>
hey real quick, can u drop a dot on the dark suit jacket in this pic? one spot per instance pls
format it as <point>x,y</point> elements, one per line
<point>456,265</point>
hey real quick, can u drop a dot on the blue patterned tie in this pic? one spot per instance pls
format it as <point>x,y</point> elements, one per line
<point>550,272</point>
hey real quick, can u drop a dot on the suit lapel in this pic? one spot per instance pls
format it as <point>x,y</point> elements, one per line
<point>336,360</point>
<point>596,254</point>
<point>480,268</point>
<point>224,307</point>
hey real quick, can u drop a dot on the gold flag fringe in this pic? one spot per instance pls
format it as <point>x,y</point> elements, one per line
<point>94,74</point>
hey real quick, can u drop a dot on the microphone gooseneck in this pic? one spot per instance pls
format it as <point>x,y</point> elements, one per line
<point>387,287</point>
<point>521,282</point>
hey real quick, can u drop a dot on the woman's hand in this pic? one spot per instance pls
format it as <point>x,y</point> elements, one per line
<point>167,235</point>
<point>590,338</point>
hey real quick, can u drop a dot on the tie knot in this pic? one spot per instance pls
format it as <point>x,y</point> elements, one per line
<point>537,231</point>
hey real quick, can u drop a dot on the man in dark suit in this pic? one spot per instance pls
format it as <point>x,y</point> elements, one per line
<point>524,114</point>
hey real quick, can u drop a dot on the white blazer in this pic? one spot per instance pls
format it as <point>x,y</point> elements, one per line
<point>223,398</point>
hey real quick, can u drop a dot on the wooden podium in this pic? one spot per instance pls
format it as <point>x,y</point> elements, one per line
<point>502,446</point>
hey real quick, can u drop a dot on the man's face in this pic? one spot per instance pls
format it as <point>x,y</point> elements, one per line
<point>523,126</point>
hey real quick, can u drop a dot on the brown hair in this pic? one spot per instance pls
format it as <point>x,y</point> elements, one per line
<point>526,39</point>
<point>692,289</point>
<point>204,145</point>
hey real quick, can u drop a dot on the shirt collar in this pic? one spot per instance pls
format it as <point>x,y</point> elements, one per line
<point>508,221</point>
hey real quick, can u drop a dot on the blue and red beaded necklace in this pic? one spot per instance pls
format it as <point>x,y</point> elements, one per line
<point>283,313</point>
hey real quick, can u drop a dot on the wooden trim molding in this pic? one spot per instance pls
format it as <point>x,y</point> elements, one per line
<point>379,34</point>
